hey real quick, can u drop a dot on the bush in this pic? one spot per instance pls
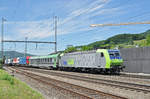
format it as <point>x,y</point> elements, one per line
<point>0,66</point>
<point>148,39</point>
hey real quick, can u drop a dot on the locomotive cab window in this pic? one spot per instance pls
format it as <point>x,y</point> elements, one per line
<point>111,55</point>
<point>117,54</point>
<point>102,54</point>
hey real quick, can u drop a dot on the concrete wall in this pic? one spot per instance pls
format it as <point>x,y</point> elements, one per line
<point>136,60</point>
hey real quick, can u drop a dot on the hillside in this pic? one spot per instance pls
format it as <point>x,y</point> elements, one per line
<point>120,41</point>
<point>125,39</point>
<point>11,54</point>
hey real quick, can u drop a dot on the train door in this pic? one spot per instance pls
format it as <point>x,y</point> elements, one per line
<point>102,60</point>
<point>54,59</point>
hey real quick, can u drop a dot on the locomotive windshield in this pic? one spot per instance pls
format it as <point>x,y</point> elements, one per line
<point>114,54</point>
<point>117,54</point>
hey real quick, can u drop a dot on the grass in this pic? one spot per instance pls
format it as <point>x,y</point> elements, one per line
<point>11,88</point>
<point>141,43</point>
<point>0,66</point>
<point>5,76</point>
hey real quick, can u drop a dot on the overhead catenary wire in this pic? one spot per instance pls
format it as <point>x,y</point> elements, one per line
<point>119,24</point>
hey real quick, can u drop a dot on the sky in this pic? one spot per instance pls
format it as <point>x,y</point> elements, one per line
<point>34,19</point>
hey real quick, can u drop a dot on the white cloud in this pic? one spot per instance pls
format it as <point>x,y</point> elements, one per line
<point>86,10</point>
<point>76,21</point>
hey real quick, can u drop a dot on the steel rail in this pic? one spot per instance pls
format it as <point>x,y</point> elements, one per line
<point>49,83</point>
<point>126,85</point>
<point>96,91</point>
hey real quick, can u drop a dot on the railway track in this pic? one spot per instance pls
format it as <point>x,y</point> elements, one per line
<point>128,86</point>
<point>121,74</point>
<point>77,91</point>
<point>135,76</point>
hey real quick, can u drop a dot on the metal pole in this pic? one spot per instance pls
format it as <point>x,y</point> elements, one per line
<point>2,41</point>
<point>55,33</point>
<point>25,51</point>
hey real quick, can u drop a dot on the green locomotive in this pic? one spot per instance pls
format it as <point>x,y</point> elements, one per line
<point>101,60</point>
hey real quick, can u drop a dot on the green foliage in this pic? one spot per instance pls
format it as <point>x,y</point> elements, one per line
<point>86,48</point>
<point>5,76</point>
<point>11,88</point>
<point>70,49</point>
<point>0,63</point>
<point>148,39</point>
<point>124,38</point>
<point>140,43</point>
<point>120,41</point>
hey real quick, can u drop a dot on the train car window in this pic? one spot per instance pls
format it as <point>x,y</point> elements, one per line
<point>102,54</point>
<point>50,59</point>
<point>47,60</point>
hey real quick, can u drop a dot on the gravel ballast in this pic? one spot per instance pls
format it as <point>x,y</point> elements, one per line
<point>107,89</point>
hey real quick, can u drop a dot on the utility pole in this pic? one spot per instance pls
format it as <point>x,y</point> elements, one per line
<point>2,28</point>
<point>25,50</point>
<point>55,34</point>
<point>26,41</point>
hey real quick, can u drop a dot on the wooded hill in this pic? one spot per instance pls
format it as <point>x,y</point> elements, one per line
<point>118,41</point>
<point>12,54</point>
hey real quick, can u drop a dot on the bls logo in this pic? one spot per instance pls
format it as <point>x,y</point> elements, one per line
<point>65,62</point>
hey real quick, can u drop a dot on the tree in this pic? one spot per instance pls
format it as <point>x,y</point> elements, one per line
<point>1,63</point>
<point>148,39</point>
<point>70,49</point>
<point>85,48</point>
